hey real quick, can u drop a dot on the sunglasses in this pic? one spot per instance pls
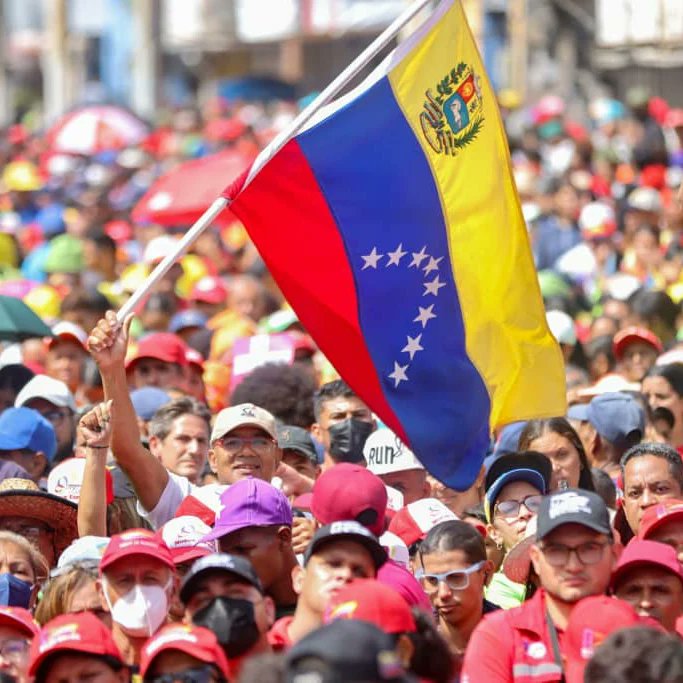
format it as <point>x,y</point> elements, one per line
<point>456,580</point>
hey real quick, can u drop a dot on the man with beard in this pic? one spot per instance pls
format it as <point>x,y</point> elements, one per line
<point>573,556</point>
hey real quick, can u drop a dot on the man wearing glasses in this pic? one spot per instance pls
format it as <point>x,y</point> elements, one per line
<point>573,555</point>
<point>243,441</point>
<point>452,570</point>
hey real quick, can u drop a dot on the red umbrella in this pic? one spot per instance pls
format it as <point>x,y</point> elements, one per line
<point>182,195</point>
<point>94,129</point>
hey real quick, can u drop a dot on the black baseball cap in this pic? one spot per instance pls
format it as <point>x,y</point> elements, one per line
<point>347,530</point>
<point>291,438</point>
<point>572,506</point>
<point>218,562</point>
<point>345,651</point>
<point>530,466</point>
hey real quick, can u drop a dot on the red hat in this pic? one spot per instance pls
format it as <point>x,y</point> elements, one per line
<point>630,335</point>
<point>204,502</point>
<point>657,515</point>
<point>370,600</point>
<point>19,617</point>
<point>162,346</point>
<point>195,641</point>
<point>413,522</point>
<point>136,542</point>
<point>195,358</point>
<point>76,632</point>
<point>120,231</point>
<point>591,621</point>
<point>183,536</point>
<point>345,491</point>
<point>66,331</point>
<point>209,289</point>
<point>639,552</point>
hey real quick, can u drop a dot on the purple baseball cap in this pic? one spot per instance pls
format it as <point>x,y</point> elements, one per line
<point>250,502</point>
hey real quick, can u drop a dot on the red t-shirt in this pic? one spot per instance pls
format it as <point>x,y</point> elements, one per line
<point>278,636</point>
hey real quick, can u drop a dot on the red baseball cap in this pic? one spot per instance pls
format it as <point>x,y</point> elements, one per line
<point>80,632</point>
<point>348,491</point>
<point>66,331</point>
<point>210,289</point>
<point>370,600</point>
<point>195,358</point>
<point>19,617</point>
<point>630,335</point>
<point>592,620</point>
<point>656,515</point>
<point>640,552</point>
<point>162,346</point>
<point>183,537</point>
<point>413,522</point>
<point>195,641</point>
<point>136,542</point>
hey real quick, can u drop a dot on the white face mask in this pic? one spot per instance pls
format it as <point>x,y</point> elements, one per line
<point>141,611</point>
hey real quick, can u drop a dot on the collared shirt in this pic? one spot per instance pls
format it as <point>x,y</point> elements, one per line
<point>513,646</point>
<point>278,636</point>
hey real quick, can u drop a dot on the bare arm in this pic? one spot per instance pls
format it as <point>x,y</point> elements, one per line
<point>107,344</point>
<point>94,434</point>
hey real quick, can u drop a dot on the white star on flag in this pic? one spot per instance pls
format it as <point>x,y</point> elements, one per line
<point>418,257</point>
<point>396,256</point>
<point>371,259</point>
<point>399,374</point>
<point>425,315</point>
<point>433,287</point>
<point>413,346</point>
<point>433,264</point>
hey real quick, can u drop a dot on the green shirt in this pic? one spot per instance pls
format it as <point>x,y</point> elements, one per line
<point>503,592</point>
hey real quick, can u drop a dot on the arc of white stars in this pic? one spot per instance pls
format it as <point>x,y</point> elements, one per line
<point>413,346</point>
<point>433,287</point>
<point>433,264</point>
<point>425,315</point>
<point>399,374</point>
<point>371,259</point>
<point>418,257</point>
<point>396,256</point>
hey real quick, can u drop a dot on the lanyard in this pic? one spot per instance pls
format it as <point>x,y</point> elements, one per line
<point>557,654</point>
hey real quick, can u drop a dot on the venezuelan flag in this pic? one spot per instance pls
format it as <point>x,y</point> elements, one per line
<point>393,227</point>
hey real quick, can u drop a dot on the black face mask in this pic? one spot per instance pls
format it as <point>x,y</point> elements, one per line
<point>347,439</point>
<point>233,623</point>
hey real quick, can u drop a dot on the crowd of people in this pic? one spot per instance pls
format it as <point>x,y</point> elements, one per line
<point>192,494</point>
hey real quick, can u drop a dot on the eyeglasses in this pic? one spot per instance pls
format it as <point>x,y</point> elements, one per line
<point>32,532</point>
<point>235,444</point>
<point>456,580</point>
<point>588,553</point>
<point>202,674</point>
<point>14,649</point>
<point>511,508</point>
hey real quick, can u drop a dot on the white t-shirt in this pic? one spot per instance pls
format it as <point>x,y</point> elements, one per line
<point>176,490</point>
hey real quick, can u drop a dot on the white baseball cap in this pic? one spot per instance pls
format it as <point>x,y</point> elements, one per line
<point>51,390</point>
<point>242,415</point>
<point>385,453</point>
<point>562,327</point>
<point>66,330</point>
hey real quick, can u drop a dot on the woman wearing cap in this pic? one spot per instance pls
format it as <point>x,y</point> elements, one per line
<point>560,443</point>
<point>515,485</point>
<point>17,630</point>
<point>663,388</point>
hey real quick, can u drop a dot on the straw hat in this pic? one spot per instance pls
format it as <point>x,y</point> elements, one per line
<point>517,562</point>
<point>23,498</point>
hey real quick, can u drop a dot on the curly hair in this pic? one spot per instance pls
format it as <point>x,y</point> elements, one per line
<point>285,391</point>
